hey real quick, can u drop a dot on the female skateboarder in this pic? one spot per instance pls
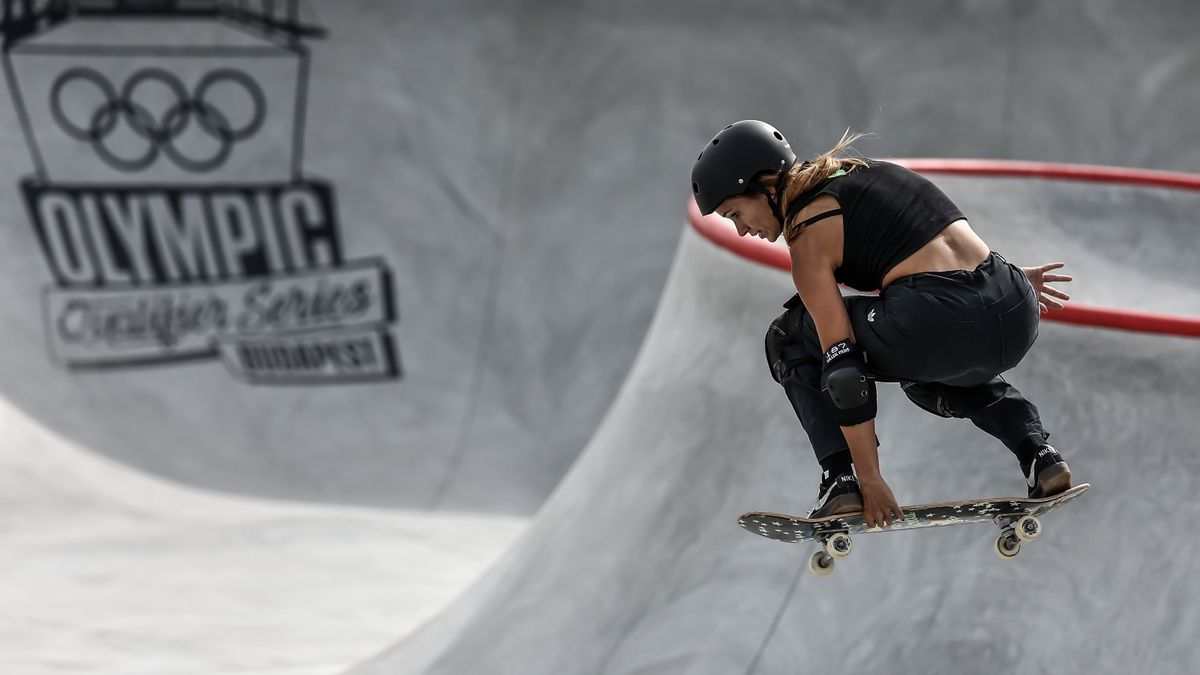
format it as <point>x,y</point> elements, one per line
<point>951,315</point>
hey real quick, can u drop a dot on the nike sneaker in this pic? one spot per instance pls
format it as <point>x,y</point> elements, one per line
<point>838,496</point>
<point>1048,474</point>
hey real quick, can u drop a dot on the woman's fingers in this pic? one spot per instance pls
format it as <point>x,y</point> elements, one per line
<point>884,517</point>
<point>1056,293</point>
<point>1052,303</point>
<point>1057,277</point>
<point>1051,266</point>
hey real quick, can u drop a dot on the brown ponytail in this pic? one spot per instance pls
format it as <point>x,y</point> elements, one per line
<point>803,177</point>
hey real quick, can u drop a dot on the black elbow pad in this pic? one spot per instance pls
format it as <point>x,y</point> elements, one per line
<point>847,382</point>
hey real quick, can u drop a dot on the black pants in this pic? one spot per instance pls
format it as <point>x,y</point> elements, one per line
<point>944,336</point>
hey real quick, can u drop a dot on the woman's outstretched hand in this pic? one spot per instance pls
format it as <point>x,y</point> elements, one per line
<point>1039,276</point>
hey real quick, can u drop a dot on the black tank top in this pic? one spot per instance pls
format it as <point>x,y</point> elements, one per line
<point>888,213</point>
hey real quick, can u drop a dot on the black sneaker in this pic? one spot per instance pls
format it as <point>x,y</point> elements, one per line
<point>1048,475</point>
<point>838,497</point>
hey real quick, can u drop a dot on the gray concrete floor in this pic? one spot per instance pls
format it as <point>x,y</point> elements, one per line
<point>110,571</point>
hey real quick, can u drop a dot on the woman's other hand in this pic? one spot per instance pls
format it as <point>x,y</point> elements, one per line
<point>1039,276</point>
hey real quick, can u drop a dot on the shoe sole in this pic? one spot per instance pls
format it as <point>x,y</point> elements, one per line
<point>1053,480</point>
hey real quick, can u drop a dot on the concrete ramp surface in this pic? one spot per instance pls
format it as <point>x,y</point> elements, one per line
<point>636,565</point>
<point>258,287</point>
<point>277,384</point>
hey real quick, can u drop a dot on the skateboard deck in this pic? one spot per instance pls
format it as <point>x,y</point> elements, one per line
<point>1016,517</point>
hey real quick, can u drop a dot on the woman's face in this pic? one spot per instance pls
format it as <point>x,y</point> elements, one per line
<point>751,214</point>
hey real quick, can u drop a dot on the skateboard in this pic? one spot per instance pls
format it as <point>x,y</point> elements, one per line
<point>1016,517</point>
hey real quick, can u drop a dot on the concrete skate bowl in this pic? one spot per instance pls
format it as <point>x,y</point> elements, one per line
<point>636,565</point>
<point>462,166</point>
<point>413,335</point>
<point>508,171</point>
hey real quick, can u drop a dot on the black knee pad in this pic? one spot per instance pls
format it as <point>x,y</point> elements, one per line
<point>928,396</point>
<point>951,401</point>
<point>784,345</point>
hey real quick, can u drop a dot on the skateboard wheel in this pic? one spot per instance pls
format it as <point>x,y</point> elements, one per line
<point>839,545</point>
<point>1007,546</point>
<point>821,564</point>
<point>1028,528</point>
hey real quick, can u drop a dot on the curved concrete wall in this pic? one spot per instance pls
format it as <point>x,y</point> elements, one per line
<point>504,181</point>
<point>636,565</point>
<point>516,171</point>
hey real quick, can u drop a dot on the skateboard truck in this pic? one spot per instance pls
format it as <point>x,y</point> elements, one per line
<point>834,545</point>
<point>1015,529</point>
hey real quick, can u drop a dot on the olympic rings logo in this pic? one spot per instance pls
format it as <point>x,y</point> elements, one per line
<point>160,133</point>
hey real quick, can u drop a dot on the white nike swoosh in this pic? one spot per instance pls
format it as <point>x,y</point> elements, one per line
<point>1032,472</point>
<point>822,498</point>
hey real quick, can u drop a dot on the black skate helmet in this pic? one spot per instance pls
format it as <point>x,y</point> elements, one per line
<point>733,157</point>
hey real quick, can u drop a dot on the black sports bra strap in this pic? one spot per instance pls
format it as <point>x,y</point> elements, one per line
<point>819,216</point>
